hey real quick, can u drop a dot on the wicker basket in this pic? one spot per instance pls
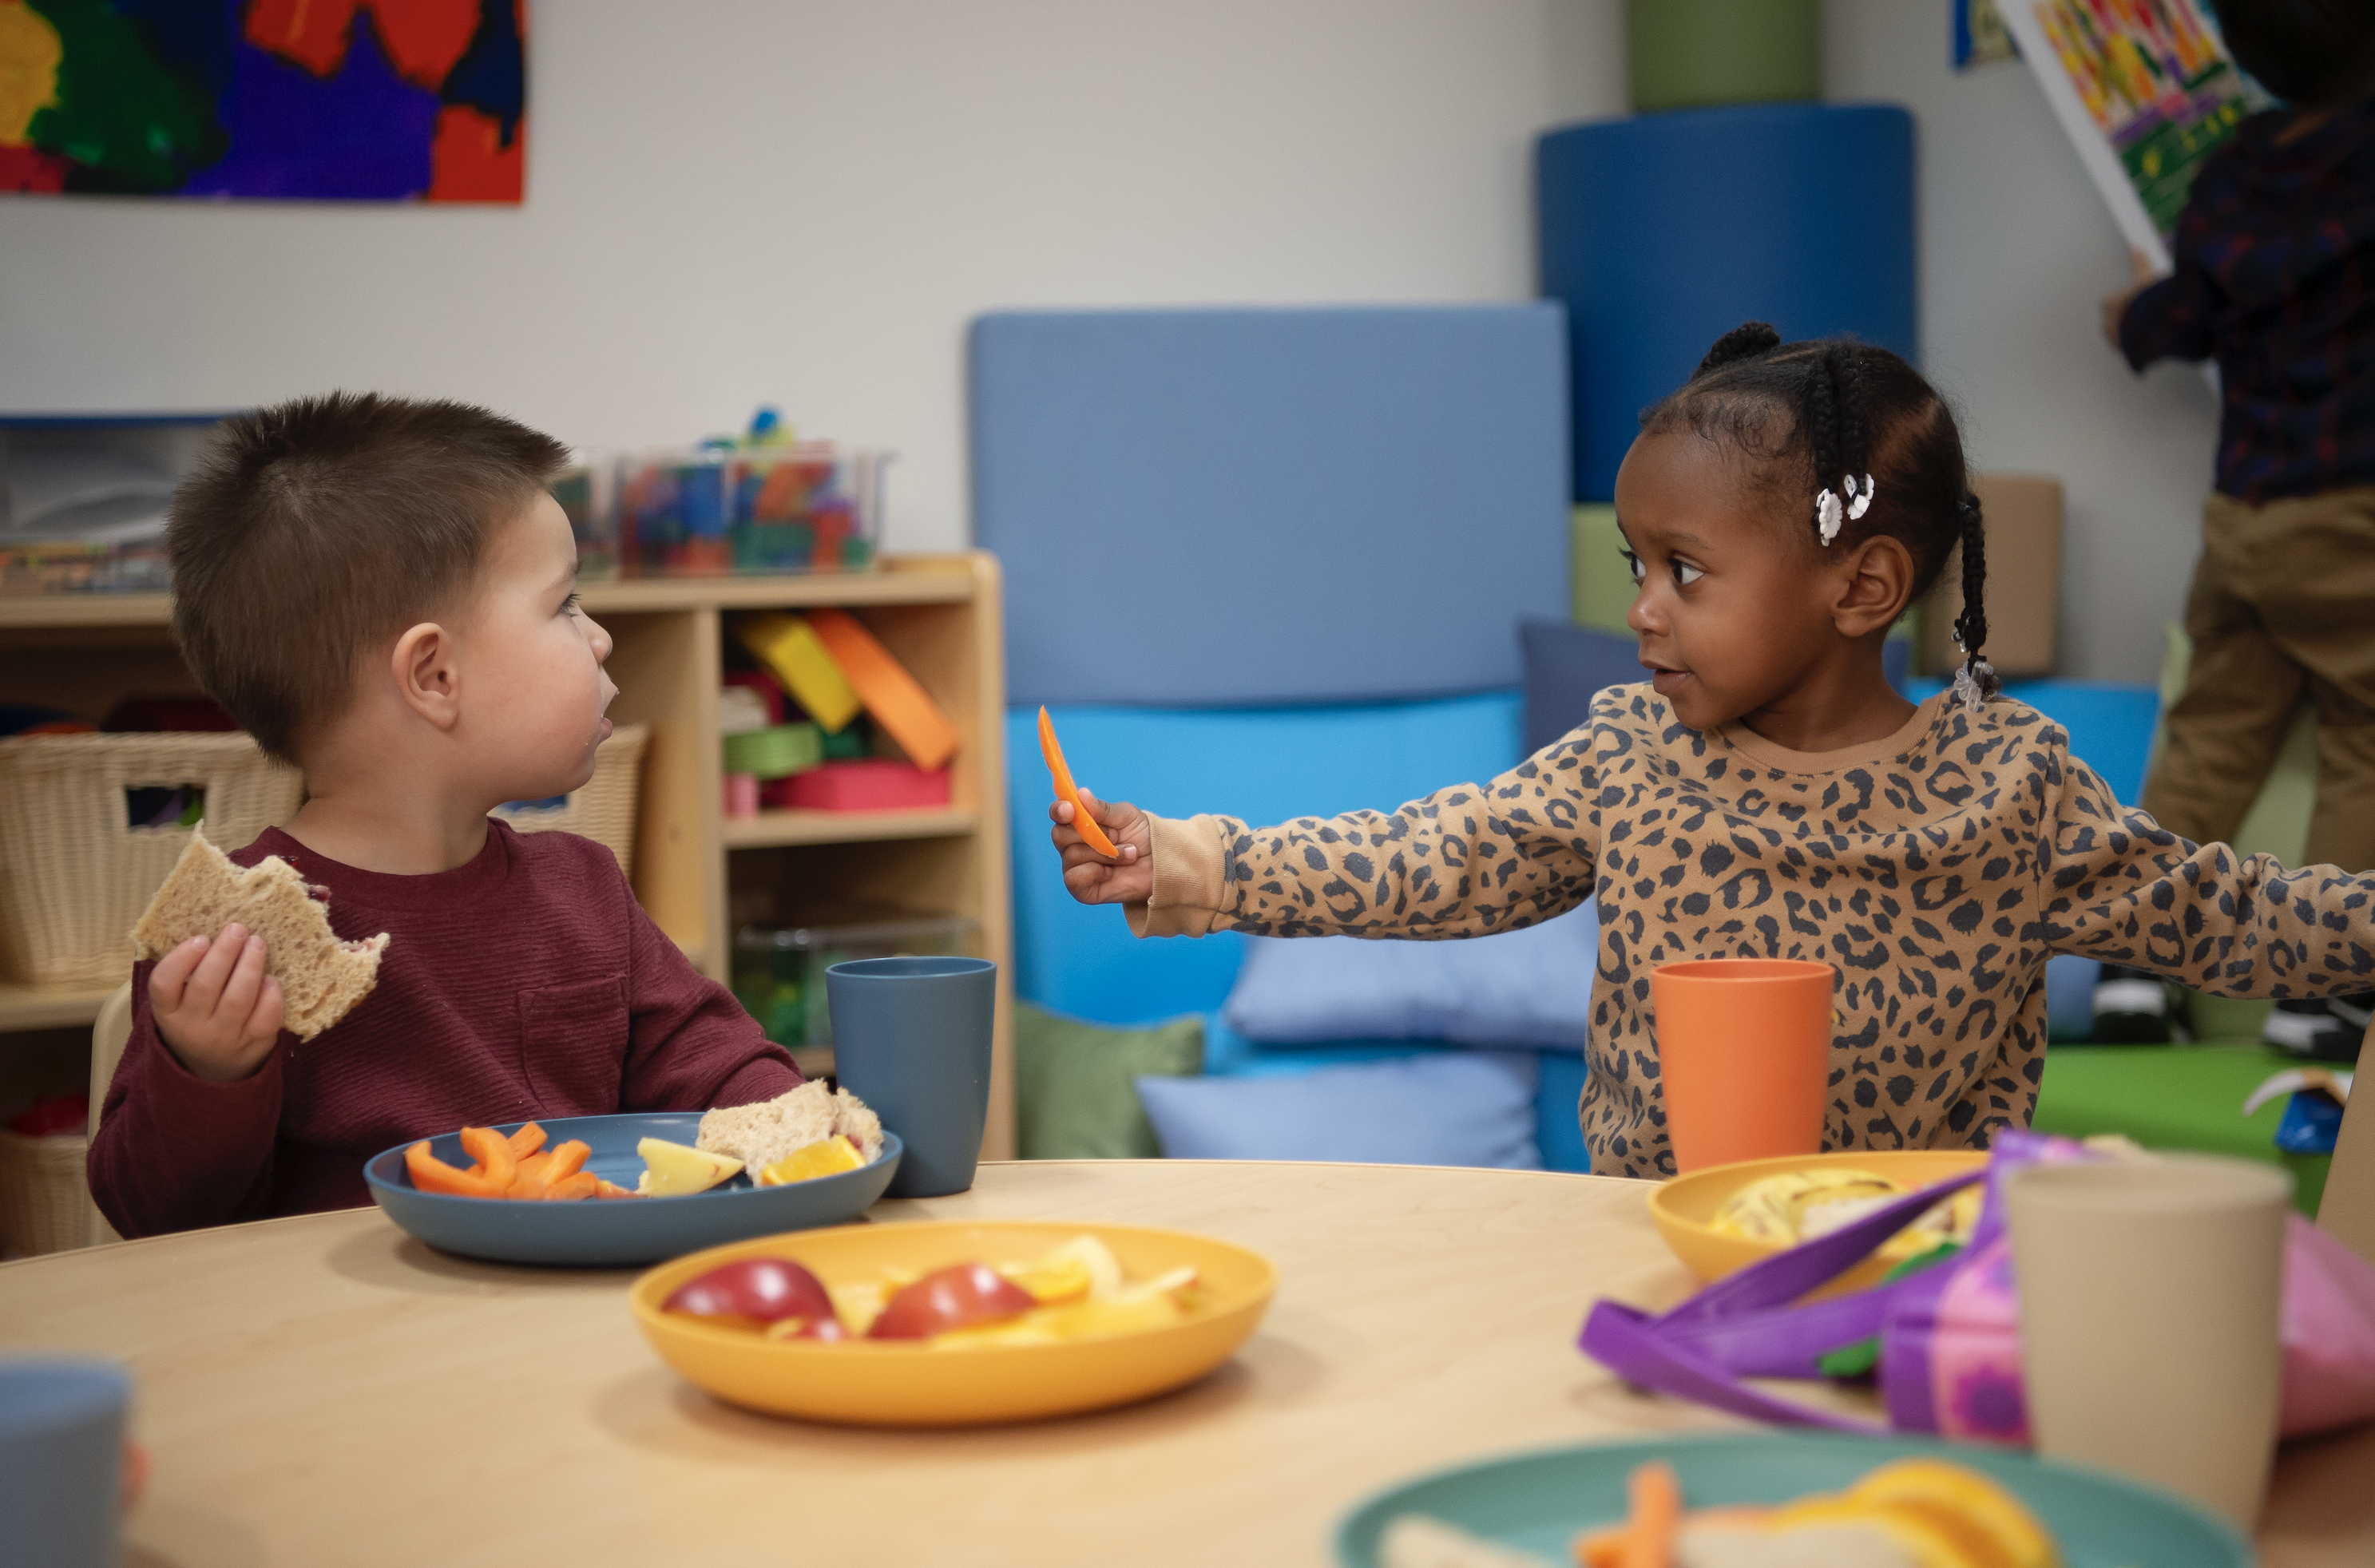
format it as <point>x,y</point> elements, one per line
<point>74,877</point>
<point>604,810</point>
<point>44,1204</point>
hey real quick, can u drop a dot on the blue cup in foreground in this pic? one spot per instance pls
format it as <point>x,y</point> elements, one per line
<point>911,1038</point>
<point>61,1460</point>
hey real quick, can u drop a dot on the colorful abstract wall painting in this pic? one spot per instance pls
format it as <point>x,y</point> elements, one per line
<point>266,99</point>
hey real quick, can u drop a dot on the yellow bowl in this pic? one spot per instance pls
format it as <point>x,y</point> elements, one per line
<point>1683,1207</point>
<point>873,1383</point>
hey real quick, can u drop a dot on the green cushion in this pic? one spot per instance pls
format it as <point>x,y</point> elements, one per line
<point>1688,53</point>
<point>2181,1097</point>
<point>1076,1083</point>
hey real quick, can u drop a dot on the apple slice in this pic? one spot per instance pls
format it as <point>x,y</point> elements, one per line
<point>755,1292</point>
<point>957,1297</point>
<point>678,1170</point>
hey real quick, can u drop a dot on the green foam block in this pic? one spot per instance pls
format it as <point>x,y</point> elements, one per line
<point>1694,54</point>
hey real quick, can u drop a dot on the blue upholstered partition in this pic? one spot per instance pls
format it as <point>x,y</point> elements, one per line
<point>1662,232</point>
<point>1265,765</point>
<point>1207,508</point>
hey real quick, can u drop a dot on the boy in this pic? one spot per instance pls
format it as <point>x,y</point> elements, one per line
<point>382,593</point>
<point>2274,277</point>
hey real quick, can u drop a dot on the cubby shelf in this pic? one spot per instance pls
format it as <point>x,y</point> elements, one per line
<point>940,615</point>
<point>770,829</point>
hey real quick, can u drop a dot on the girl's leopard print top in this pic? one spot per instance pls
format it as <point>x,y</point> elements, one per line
<point>1936,871</point>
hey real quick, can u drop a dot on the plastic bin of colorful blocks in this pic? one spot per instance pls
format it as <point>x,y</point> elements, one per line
<point>705,512</point>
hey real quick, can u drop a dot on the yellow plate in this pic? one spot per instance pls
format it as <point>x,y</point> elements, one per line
<point>912,1385</point>
<point>1683,1207</point>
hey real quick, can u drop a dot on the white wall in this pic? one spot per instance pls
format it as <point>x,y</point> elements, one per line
<point>803,201</point>
<point>2017,251</point>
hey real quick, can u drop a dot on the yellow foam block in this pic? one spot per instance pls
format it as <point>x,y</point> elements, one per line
<point>903,708</point>
<point>789,647</point>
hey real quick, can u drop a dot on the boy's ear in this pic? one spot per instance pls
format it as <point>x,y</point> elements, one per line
<point>1878,586</point>
<point>422,663</point>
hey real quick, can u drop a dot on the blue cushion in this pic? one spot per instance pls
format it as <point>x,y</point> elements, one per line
<point>2110,723</point>
<point>1228,1054</point>
<point>1558,1120</point>
<point>1662,231</point>
<point>1446,1108</point>
<point>1325,505</point>
<point>1263,764</point>
<point>1530,986</point>
<point>1566,666</point>
<point>2070,996</point>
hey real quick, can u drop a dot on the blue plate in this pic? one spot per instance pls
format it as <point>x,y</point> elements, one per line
<point>1538,1501</point>
<point>620,1231</point>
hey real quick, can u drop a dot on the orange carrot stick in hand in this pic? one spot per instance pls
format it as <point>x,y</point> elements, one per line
<point>1657,1514</point>
<point>1066,791</point>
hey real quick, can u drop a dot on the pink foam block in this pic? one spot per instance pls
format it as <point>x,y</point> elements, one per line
<point>871,784</point>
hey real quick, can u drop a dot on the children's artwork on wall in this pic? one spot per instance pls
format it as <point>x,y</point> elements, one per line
<point>1980,38</point>
<point>266,99</point>
<point>2146,90</point>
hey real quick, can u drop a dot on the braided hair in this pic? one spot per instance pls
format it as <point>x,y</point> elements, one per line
<point>1852,443</point>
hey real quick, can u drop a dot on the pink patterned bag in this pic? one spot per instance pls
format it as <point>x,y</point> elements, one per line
<point>1949,1335</point>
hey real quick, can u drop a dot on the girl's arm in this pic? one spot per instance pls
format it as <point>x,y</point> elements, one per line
<point>2124,888</point>
<point>1464,861</point>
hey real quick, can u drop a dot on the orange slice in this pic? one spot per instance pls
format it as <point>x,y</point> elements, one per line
<point>1067,791</point>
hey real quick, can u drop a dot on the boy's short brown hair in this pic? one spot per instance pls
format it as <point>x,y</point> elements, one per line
<point>316,529</point>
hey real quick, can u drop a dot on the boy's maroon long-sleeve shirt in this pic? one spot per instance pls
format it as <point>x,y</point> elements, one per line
<point>526,983</point>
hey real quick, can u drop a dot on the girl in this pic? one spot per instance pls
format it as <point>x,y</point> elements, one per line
<point>1767,794</point>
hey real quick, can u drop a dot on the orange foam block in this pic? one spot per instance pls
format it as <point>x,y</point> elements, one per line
<point>903,708</point>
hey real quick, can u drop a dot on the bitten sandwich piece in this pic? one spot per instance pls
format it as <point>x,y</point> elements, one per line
<point>321,977</point>
<point>761,1134</point>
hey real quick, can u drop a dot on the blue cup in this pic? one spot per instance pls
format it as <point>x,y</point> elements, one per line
<point>911,1038</point>
<point>61,1460</point>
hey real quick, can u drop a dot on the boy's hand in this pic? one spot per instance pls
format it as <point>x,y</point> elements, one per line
<point>2115,306</point>
<point>215,1006</point>
<point>1091,877</point>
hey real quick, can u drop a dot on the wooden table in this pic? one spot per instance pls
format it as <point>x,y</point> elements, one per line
<point>326,1390</point>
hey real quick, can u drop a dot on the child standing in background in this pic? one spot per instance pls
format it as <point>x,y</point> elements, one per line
<point>1768,793</point>
<point>2274,279</point>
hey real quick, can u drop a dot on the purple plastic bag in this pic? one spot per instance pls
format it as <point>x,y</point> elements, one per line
<point>1950,1334</point>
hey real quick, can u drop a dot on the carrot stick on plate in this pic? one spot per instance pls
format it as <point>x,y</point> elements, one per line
<point>1085,824</point>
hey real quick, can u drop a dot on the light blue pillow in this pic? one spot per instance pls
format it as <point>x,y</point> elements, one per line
<point>1448,1108</point>
<point>2068,996</point>
<point>1530,986</point>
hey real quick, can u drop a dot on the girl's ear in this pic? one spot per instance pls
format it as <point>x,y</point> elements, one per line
<point>1876,588</point>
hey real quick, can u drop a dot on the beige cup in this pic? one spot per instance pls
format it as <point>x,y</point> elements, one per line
<point>2148,1320</point>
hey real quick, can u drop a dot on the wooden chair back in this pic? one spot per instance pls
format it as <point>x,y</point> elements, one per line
<point>109,1034</point>
<point>2347,1210</point>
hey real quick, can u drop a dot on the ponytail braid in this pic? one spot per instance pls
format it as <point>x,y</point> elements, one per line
<point>1822,418</point>
<point>1976,682</point>
<point>1746,341</point>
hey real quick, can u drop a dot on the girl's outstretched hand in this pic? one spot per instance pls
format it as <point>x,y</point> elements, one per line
<point>1090,876</point>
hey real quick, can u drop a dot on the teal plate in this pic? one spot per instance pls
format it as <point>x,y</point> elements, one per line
<point>617,1233</point>
<point>1538,1503</point>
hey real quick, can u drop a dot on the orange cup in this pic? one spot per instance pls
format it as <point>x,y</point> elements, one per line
<point>1744,1058</point>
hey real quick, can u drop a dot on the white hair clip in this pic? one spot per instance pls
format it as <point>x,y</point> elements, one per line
<point>1974,688</point>
<point>1828,514</point>
<point>1859,501</point>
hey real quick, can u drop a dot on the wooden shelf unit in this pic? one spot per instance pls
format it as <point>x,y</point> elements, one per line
<point>940,615</point>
